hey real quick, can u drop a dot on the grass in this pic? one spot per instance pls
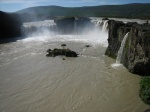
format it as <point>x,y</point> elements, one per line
<point>145,89</point>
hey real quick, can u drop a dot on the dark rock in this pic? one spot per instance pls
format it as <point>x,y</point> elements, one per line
<point>105,18</point>
<point>73,24</point>
<point>87,46</point>
<point>49,50</point>
<point>136,53</point>
<point>65,52</point>
<point>147,110</point>
<point>10,25</point>
<point>83,24</point>
<point>65,25</point>
<point>130,24</point>
<point>137,50</point>
<point>63,45</point>
<point>113,41</point>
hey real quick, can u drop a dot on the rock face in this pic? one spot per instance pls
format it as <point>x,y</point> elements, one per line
<point>116,32</point>
<point>10,26</point>
<point>136,53</point>
<point>137,50</point>
<point>65,25</point>
<point>72,25</point>
<point>65,52</point>
<point>147,110</point>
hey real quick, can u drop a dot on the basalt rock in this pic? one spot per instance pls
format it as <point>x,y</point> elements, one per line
<point>137,50</point>
<point>73,25</point>
<point>114,40</point>
<point>57,52</point>
<point>136,53</point>
<point>147,110</point>
<point>65,25</point>
<point>10,25</point>
<point>105,18</point>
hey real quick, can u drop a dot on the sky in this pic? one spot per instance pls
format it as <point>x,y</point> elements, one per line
<point>15,5</point>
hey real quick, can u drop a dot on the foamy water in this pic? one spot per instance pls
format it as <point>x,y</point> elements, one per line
<point>95,35</point>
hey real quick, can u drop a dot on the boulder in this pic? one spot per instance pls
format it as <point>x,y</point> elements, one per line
<point>87,46</point>
<point>57,52</point>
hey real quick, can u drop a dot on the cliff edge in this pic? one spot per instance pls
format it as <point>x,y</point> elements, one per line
<point>136,52</point>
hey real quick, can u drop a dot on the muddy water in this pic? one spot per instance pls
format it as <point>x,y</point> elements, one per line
<point>32,82</point>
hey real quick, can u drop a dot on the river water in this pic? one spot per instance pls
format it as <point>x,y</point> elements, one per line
<point>32,82</point>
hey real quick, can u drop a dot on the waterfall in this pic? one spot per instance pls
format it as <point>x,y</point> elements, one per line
<point>118,60</point>
<point>75,25</point>
<point>39,28</point>
<point>104,27</point>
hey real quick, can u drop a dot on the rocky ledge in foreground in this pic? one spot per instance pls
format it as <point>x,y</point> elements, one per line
<point>57,52</point>
<point>136,52</point>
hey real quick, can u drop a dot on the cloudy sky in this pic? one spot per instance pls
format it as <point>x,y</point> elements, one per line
<point>15,5</point>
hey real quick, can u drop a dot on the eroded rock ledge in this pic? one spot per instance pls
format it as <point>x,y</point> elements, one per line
<point>136,53</point>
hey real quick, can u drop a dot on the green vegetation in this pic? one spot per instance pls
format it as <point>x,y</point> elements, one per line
<point>141,11</point>
<point>145,89</point>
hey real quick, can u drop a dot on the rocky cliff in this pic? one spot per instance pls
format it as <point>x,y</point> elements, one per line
<point>136,53</point>
<point>72,25</point>
<point>10,26</point>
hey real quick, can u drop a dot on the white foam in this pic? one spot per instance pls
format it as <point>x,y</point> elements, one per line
<point>116,65</point>
<point>94,36</point>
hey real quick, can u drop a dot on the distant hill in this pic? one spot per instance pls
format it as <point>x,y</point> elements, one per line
<point>136,10</point>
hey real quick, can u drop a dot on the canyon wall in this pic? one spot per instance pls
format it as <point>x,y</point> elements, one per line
<point>136,52</point>
<point>10,25</point>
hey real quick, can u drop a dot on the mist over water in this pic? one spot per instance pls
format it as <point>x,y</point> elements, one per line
<point>43,31</point>
<point>32,82</point>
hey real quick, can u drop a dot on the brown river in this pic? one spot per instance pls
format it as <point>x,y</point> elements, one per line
<point>32,82</point>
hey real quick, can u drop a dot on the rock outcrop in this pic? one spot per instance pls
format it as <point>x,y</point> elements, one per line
<point>136,53</point>
<point>137,50</point>
<point>57,52</point>
<point>10,26</point>
<point>65,25</point>
<point>147,110</point>
<point>72,25</point>
<point>114,40</point>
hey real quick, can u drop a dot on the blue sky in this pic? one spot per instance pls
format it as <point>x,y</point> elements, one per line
<point>15,5</point>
